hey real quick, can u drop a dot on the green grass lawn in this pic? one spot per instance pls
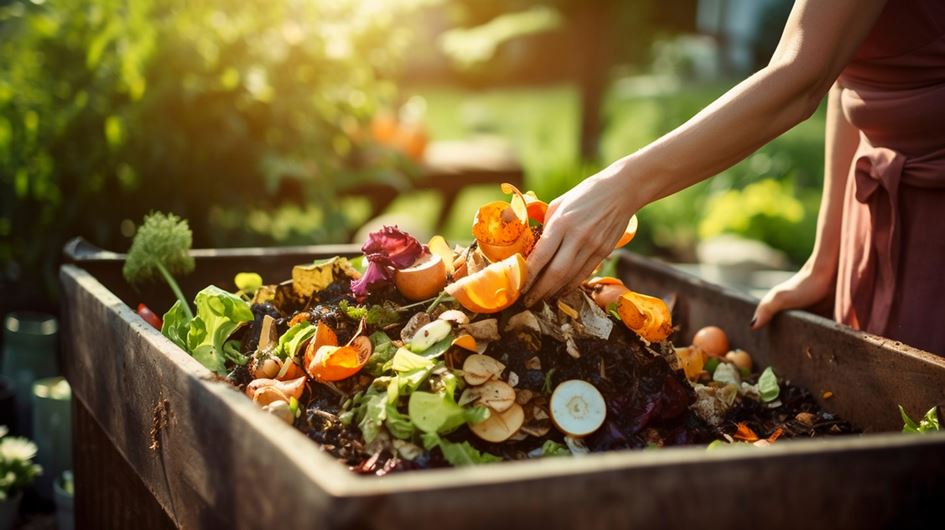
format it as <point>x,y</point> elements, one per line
<point>542,126</point>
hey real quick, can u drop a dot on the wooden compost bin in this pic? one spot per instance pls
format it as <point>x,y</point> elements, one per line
<point>160,442</point>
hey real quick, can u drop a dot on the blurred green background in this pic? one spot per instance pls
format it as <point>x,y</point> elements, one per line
<point>255,120</point>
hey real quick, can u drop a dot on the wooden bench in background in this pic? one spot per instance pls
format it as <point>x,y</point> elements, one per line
<point>448,167</point>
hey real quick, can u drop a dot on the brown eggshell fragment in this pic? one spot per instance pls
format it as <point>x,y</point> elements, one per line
<point>501,425</point>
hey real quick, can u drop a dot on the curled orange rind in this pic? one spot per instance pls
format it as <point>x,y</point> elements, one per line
<point>647,316</point>
<point>534,207</point>
<point>334,363</point>
<point>493,288</point>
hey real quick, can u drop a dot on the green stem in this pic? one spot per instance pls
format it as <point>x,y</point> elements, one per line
<point>174,287</point>
<point>438,299</point>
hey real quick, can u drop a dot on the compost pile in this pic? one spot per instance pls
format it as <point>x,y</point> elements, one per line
<point>416,356</point>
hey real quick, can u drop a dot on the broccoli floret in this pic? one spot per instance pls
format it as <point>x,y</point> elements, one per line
<point>161,249</point>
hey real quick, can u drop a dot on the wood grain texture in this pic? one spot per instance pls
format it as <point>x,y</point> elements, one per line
<point>220,463</point>
<point>868,376</point>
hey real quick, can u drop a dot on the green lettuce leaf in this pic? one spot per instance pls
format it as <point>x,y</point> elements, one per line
<point>768,386</point>
<point>437,413</point>
<point>292,339</point>
<point>383,352</point>
<point>458,454</point>
<point>219,314</point>
<point>177,325</point>
<point>928,423</point>
<point>398,423</point>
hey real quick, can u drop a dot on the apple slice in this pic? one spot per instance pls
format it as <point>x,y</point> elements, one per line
<point>577,408</point>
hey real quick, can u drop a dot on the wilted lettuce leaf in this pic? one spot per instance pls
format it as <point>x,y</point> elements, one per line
<point>437,413</point>
<point>458,454</point>
<point>406,361</point>
<point>553,448</point>
<point>383,352</point>
<point>928,423</point>
<point>370,413</point>
<point>767,385</point>
<point>292,339</point>
<point>379,316</point>
<point>398,423</point>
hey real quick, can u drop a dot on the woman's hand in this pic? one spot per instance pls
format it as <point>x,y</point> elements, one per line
<point>806,288</point>
<point>581,228</point>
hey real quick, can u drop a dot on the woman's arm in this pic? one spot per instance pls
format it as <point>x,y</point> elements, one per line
<point>815,281</point>
<point>818,41</point>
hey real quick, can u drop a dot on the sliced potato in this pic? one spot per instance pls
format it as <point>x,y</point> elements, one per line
<point>477,369</point>
<point>497,395</point>
<point>577,408</point>
<point>500,426</point>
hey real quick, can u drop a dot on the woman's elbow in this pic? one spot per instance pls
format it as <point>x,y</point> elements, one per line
<point>806,85</point>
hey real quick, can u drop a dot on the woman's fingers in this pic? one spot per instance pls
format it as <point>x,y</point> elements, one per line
<point>553,274</point>
<point>590,263</point>
<point>767,308</point>
<point>544,251</point>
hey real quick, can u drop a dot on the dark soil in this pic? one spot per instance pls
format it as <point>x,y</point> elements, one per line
<point>648,402</point>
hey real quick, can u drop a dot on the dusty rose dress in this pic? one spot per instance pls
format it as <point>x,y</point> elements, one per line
<point>891,278</point>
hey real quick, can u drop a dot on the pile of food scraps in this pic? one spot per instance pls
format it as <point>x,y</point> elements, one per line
<point>415,355</point>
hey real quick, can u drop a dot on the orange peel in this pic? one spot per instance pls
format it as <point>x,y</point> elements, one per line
<point>493,288</point>
<point>647,316</point>
<point>629,233</point>
<point>466,342</point>
<point>334,363</point>
<point>535,207</point>
<point>324,336</point>
<point>501,228</point>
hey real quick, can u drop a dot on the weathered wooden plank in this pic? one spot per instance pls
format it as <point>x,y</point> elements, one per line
<point>218,457</point>
<point>867,375</point>
<point>208,456</point>
<point>105,482</point>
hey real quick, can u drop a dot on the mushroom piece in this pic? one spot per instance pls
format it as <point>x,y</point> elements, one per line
<point>497,395</point>
<point>484,330</point>
<point>477,369</point>
<point>455,316</point>
<point>577,408</point>
<point>500,426</point>
<point>281,410</point>
<point>526,320</point>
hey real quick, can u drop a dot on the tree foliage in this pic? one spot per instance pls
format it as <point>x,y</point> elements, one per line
<point>111,108</point>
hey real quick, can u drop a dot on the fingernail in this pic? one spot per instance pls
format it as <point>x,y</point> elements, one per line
<point>752,323</point>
